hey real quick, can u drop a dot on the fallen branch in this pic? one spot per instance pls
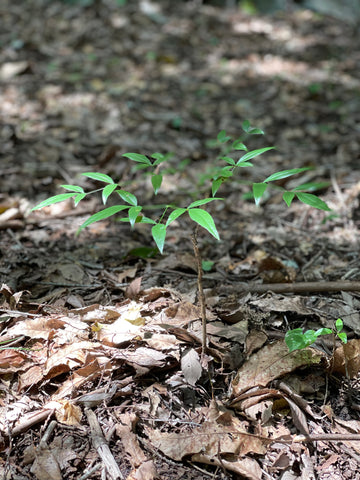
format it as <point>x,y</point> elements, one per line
<point>101,446</point>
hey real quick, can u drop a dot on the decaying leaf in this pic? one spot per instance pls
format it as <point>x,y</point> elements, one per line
<point>271,362</point>
<point>191,366</point>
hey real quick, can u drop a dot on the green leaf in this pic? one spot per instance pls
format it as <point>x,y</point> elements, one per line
<point>205,220</point>
<point>204,201</point>
<point>174,215</point>
<point>107,212</point>
<point>323,331</point>
<point>222,137</point>
<point>228,160</point>
<point>343,337</point>
<point>207,265</point>
<point>133,215</point>
<point>156,181</point>
<point>73,188</point>
<point>216,184</point>
<point>285,174</point>
<point>127,197</point>
<point>238,145</point>
<point>78,198</point>
<point>311,186</point>
<point>107,191</point>
<point>246,125</point>
<point>339,325</point>
<point>52,200</point>
<point>313,201</point>
<point>158,232</point>
<point>258,191</point>
<point>288,197</point>
<point>253,154</point>
<point>255,131</point>
<point>137,157</point>
<point>160,158</point>
<point>295,340</point>
<point>101,177</point>
<point>245,164</point>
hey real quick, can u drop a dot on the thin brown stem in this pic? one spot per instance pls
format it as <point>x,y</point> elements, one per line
<point>200,289</point>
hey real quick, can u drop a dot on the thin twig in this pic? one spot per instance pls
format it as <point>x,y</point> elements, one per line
<point>200,290</point>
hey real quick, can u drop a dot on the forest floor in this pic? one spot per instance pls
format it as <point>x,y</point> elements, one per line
<point>100,367</point>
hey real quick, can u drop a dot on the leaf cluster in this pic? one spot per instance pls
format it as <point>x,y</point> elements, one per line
<point>296,339</point>
<point>133,211</point>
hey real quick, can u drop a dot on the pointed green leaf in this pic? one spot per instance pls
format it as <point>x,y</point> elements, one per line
<point>107,212</point>
<point>258,191</point>
<point>204,201</point>
<point>285,174</point>
<point>54,199</point>
<point>101,177</point>
<point>246,125</point>
<point>288,197</point>
<point>107,191</point>
<point>205,220</point>
<point>216,184</point>
<point>174,215</point>
<point>228,160</point>
<point>78,198</point>
<point>73,188</point>
<point>253,154</point>
<point>245,164</point>
<point>255,131</point>
<point>343,337</point>
<point>158,232</point>
<point>311,186</point>
<point>156,181</point>
<point>313,201</point>
<point>295,340</point>
<point>222,137</point>
<point>238,145</point>
<point>137,157</point>
<point>339,325</point>
<point>323,331</point>
<point>133,215</point>
<point>127,197</point>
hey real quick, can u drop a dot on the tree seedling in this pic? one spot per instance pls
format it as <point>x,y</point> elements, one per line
<point>296,339</point>
<point>223,170</point>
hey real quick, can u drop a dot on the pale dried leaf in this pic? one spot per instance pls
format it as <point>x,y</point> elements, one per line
<point>191,366</point>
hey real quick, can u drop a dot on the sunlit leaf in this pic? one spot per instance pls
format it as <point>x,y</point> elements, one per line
<point>313,201</point>
<point>127,197</point>
<point>255,131</point>
<point>339,325</point>
<point>174,215</point>
<point>258,191</point>
<point>285,174</point>
<point>238,145</point>
<point>133,215</point>
<point>107,191</point>
<point>54,199</point>
<point>311,186</point>
<point>137,157</point>
<point>78,198</point>
<point>106,213</point>
<point>253,154</point>
<point>204,201</point>
<point>216,184</point>
<point>288,197</point>
<point>158,232</point>
<point>156,181</point>
<point>73,188</point>
<point>228,160</point>
<point>101,177</point>
<point>205,220</point>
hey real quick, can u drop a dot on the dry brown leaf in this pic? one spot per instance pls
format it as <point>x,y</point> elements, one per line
<point>146,471</point>
<point>246,467</point>
<point>45,466</point>
<point>68,413</point>
<point>13,360</point>
<point>271,362</point>
<point>124,430</point>
<point>347,359</point>
<point>191,366</point>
